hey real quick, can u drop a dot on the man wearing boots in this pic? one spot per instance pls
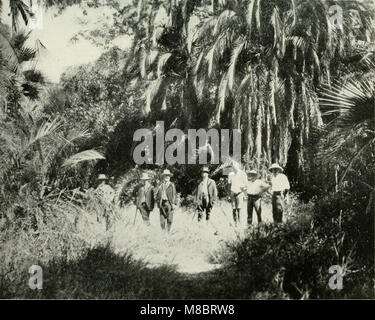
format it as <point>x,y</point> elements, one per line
<point>237,181</point>
<point>255,188</point>
<point>166,200</point>
<point>145,198</point>
<point>206,195</point>
<point>280,188</point>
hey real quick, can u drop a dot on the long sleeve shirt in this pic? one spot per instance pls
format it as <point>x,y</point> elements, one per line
<point>280,183</point>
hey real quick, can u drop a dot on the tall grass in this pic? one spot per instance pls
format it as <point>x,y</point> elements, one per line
<point>81,259</point>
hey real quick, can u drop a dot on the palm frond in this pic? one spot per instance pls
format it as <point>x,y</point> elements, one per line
<point>249,15</point>
<point>198,63</point>
<point>210,59</point>
<point>18,7</point>
<point>205,30</point>
<point>8,52</point>
<point>240,93</point>
<point>257,17</point>
<point>88,155</point>
<point>276,24</point>
<point>45,130</point>
<point>155,93</point>
<point>223,93</point>
<point>162,63</point>
<point>143,63</point>
<point>232,67</point>
<point>225,18</point>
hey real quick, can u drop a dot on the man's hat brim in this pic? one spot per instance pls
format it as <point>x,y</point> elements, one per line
<point>275,167</point>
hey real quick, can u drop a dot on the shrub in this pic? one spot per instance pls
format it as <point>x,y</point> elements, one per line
<point>292,259</point>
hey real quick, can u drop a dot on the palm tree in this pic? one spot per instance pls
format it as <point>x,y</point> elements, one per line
<point>18,79</point>
<point>21,8</point>
<point>35,153</point>
<point>165,60</point>
<point>267,58</point>
<point>350,135</point>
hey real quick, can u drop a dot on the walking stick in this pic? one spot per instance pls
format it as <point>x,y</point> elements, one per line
<point>135,216</point>
<point>195,212</point>
<point>230,223</point>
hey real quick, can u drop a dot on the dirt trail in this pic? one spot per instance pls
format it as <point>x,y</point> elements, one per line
<point>190,247</point>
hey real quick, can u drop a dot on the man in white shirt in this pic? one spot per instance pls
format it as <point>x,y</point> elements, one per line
<point>237,181</point>
<point>280,187</point>
<point>255,188</point>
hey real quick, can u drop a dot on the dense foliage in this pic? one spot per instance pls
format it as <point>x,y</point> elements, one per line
<point>301,92</point>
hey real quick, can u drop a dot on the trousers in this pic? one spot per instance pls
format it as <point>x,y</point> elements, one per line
<point>277,207</point>
<point>254,202</point>
<point>204,207</point>
<point>145,213</point>
<point>166,215</point>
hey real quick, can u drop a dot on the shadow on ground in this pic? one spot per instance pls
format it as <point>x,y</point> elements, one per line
<point>102,274</point>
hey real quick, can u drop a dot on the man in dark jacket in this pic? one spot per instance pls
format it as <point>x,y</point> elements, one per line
<point>206,195</point>
<point>166,200</point>
<point>145,198</point>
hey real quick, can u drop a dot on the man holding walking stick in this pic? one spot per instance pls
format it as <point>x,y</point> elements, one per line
<point>166,200</point>
<point>206,195</point>
<point>145,199</point>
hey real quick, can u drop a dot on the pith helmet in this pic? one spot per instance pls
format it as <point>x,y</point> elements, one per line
<point>144,176</point>
<point>253,172</point>
<point>102,177</point>
<point>166,172</point>
<point>275,166</point>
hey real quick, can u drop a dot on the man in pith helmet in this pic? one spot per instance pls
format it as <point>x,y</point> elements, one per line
<point>166,200</point>
<point>206,195</point>
<point>255,188</point>
<point>280,187</point>
<point>145,198</point>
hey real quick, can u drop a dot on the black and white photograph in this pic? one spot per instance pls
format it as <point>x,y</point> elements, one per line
<point>187,150</point>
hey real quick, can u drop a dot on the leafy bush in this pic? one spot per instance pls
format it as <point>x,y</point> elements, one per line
<point>292,260</point>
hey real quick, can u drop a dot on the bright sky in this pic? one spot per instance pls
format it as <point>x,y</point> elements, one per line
<point>57,31</point>
<point>56,34</point>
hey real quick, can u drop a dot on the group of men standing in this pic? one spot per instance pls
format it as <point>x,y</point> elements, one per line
<point>240,184</point>
<point>250,184</point>
<point>165,198</point>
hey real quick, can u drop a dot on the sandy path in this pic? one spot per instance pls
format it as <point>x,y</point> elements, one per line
<point>190,247</point>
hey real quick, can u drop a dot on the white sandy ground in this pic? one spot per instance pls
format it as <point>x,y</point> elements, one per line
<point>190,246</point>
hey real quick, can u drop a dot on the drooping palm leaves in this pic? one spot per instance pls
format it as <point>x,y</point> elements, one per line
<point>273,72</point>
<point>35,152</point>
<point>17,8</point>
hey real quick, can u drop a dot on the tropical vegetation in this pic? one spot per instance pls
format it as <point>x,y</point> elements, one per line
<point>299,87</point>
